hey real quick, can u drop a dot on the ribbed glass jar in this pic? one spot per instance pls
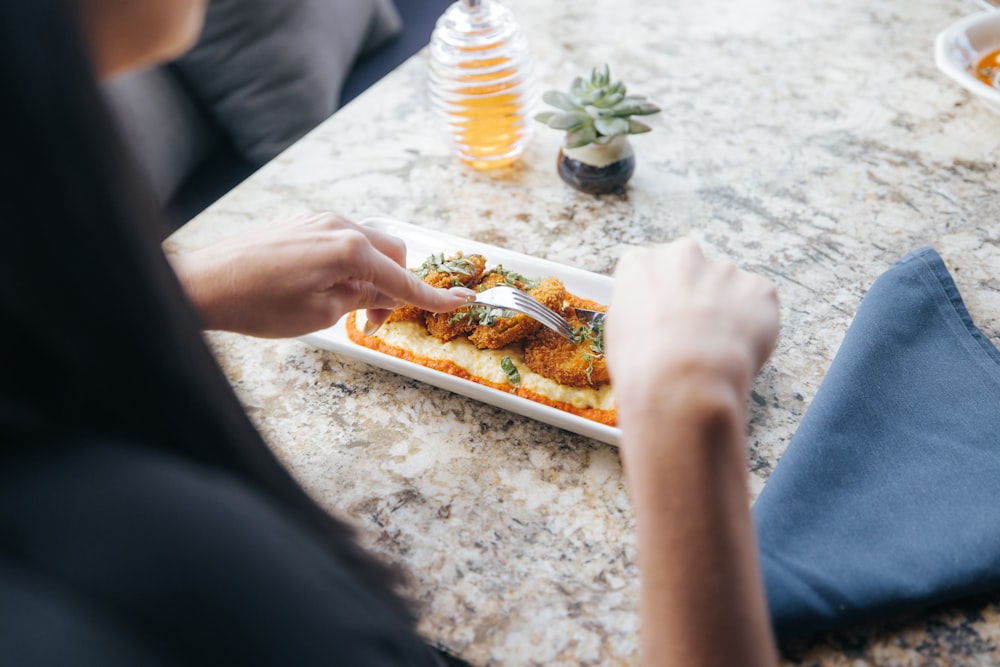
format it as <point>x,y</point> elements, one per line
<point>482,83</point>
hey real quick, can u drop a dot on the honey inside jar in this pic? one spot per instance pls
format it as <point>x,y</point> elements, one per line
<point>988,68</point>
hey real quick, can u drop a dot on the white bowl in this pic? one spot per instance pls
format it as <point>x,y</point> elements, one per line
<point>958,49</point>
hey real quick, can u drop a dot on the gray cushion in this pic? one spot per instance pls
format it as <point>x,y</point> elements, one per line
<point>271,70</point>
<point>167,133</point>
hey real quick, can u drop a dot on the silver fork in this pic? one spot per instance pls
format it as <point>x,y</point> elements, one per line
<point>509,298</point>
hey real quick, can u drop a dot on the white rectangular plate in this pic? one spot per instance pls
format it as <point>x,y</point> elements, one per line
<point>421,243</point>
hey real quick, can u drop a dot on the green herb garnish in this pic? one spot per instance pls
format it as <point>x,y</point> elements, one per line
<point>460,315</point>
<point>488,315</point>
<point>460,265</point>
<point>593,332</point>
<point>511,370</point>
<point>590,368</point>
<point>479,315</point>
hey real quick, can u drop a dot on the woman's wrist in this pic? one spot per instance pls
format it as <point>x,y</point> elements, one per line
<point>681,382</point>
<point>684,403</point>
<point>201,280</point>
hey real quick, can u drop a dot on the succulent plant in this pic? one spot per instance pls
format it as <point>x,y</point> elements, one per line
<point>595,108</point>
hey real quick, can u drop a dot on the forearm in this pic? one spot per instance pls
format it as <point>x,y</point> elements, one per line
<point>702,600</point>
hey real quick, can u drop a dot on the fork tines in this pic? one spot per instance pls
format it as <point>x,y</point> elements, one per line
<point>543,314</point>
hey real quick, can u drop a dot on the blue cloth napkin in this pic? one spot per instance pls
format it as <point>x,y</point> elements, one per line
<point>887,499</point>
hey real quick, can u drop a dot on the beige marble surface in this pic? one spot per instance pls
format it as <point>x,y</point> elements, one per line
<point>812,141</point>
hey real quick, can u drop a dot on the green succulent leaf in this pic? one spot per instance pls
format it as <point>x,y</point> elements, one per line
<point>612,127</point>
<point>594,112</point>
<point>560,100</point>
<point>568,120</point>
<point>626,108</point>
<point>637,127</point>
<point>601,77</point>
<point>611,100</point>
<point>581,136</point>
<point>544,116</point>
<point>578,87</point>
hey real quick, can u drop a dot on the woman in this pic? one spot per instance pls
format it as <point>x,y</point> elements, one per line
<point>142,518</point>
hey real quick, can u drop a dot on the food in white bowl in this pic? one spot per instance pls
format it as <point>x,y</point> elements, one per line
<point>967,51</point>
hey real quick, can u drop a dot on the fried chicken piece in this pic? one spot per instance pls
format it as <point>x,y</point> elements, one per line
<point>503,331</point>
<point>575,364</point>
<point>445,326</point>
<point>489,280</point>
<point>404,312</point>
<point>459,269</point>
<point>552,293</point>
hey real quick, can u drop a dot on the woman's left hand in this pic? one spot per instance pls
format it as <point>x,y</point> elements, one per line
<point>301,275</point>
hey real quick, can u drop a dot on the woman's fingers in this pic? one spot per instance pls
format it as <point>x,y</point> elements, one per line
<point>674,306</point>
<point>375,257</point>
<point>395,282</point>
<point>377,317</point>
<point>389,245</point>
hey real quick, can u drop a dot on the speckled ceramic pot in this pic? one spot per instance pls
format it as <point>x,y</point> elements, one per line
<point>600,167</point>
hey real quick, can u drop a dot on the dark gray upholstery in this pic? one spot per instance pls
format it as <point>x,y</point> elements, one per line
<point>263,73</point>
<point>269,71</point>
<point>169,132</point>
<point>419,17</point>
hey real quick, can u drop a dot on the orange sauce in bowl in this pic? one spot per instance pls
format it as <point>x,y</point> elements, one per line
<point>988,69</point>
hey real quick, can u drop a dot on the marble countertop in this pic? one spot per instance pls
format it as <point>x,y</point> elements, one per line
<point>814,142</point>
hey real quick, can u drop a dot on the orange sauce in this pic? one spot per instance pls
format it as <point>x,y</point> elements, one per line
<point>988,68</point>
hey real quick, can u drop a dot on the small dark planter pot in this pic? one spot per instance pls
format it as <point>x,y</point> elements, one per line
<point>598,169</point>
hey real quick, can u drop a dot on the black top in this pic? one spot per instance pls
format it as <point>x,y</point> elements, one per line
<point>115,553</point>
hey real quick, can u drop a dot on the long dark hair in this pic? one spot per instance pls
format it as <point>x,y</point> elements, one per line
<point>97,338</point>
